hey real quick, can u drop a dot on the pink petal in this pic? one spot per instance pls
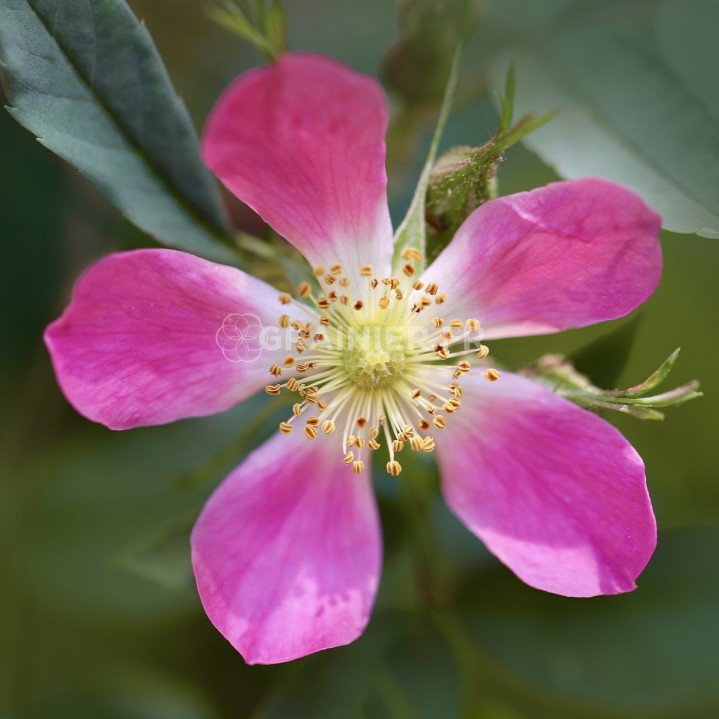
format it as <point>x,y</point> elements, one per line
<point>287,551</point>
<point>566,255</point>
<point>302,143</point>
<point>553,490</point>
<point>152,336</point>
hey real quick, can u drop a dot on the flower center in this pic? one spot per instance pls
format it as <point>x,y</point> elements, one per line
<point>376,356</point>
<point>380,366</point>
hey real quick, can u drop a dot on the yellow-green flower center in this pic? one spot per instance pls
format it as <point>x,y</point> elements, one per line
<point>369,361</point>
<point>375,356</point>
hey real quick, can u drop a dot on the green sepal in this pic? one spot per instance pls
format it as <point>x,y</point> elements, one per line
<point>465,177</point>
<point>557,372</point>
<point>412,232</point>
<point>267,31</point>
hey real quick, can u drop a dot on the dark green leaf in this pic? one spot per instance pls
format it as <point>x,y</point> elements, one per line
<point>86,80</point>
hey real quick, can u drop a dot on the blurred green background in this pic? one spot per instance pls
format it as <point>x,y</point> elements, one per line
<point>98,613</point>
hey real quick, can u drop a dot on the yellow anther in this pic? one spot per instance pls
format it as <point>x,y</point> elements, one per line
<point>483,351</point>
<point>297,409</point>
<point>432,288</point>
<point>358,466</point>
<point>319,271</point>
<point>285,299</point>
<point>348,457</point>
<point>491,375</point>
<point>336,269</point>
<point>366,270</point>
<point>358,305</point>
<point>440,299</point>
<point>456,324</point>
<point>288,361</point>
<point>437,322</point>
<point>439,422</point>
<point>394,468</point>
<point>328,426</point>
<point>471,325</point>
<point>428,445</point>
<point>408,270</point>
<point>456,390</point>
<point>275,370</point>
<point>330,279</point>
<point>384,303</point>
<point>411,253</point>
<point>285,427</point>
<point>313,421</point>
<point>397,445</point>
<point>373,444</point>
<point>284,321</point>
<point>310,432</point>
<point>304,289</point>
<point>418,285</point>
<point>273,389</point>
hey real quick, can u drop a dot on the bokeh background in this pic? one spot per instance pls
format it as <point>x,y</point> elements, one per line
<point>98,614</point>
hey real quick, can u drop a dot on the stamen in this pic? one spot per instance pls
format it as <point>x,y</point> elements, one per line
<point>357,378</point>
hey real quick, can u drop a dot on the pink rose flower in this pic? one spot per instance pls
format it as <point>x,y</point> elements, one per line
<point>287,551</point>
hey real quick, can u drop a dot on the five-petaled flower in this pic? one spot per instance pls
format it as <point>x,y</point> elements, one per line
<point>287,551</point>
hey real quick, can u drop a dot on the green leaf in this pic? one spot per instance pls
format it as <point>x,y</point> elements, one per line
<point>86,80</point>
<point>412,232</point>
<point>636,83</point>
